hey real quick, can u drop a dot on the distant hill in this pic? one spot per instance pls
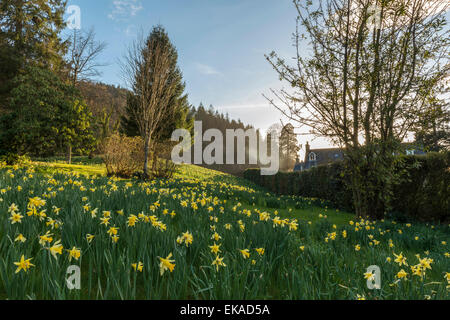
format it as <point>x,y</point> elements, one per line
<point>100,96</point>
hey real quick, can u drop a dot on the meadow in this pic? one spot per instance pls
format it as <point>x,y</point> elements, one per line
<point>201,235</point>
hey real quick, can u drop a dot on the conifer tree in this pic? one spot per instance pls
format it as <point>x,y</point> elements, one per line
<point>29,34</point>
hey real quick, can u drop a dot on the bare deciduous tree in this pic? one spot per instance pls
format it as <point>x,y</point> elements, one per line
<point>84,51</point>
<point>83,64</point>
<point>362,80</point>
<point>146,68</point>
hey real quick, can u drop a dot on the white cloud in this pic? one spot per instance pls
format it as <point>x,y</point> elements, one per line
<point>131,31</point>
<point>207,70</point>
<point>125,9</point>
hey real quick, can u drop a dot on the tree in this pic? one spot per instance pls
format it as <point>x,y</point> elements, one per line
<point>148,69</point>
<point>84,51</point>
<point>45,114</point>
<point>178,102</point>
<point>29,34</point>
<point>107,104</point>
<point>289,148</point>
<point>74,128</point>
<point>370,67</point>
<point>82,63</point>
<point>432,131</point>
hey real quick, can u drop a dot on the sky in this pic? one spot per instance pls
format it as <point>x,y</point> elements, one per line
<point>220,43</point>
<point>221,46</point>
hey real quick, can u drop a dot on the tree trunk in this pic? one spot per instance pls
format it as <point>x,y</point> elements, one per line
<point>69,154</point>
<point>146,153</point>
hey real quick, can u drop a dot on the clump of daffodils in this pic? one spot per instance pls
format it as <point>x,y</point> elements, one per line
<point>187,238</point>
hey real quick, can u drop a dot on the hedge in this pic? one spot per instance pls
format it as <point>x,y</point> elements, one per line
<point>423,192</point>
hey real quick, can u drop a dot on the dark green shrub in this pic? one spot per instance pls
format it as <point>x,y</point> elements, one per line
<point>275,203</point>
<point>422,192</point>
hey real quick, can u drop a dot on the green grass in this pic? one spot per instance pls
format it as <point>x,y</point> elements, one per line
<point>44,167</point>
<point>201,200</point>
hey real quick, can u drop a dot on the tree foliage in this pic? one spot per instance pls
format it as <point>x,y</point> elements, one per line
<point>29,34</point>
<point>289,148</point>
<point>44,115</point>
<point>369,69</point>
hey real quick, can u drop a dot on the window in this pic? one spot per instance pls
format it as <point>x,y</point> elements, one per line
<point>312,156</point>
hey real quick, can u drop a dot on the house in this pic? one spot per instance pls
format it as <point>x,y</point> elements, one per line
<point>316,157</point>
<point>411,149</point>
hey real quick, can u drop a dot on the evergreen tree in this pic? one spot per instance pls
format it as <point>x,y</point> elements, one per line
<point>289,148</point>
<point>29,34</point>
<point>46,116</point>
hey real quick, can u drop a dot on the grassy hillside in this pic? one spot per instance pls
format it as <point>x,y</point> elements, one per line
<point>201,235</point>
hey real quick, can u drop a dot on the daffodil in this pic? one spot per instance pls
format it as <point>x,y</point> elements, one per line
<point>56,249</point>
<point>112,231</point>
<point>13,208</point>
<point>447,276</point>
<point>402,274</point>
<point>369,276</point>
<point>400,259</point>
<point>47,237</point>
<point>417,270</point>
<point>215,248</point>
<point>166,264</point>
<point>20,238</point>
<point>218,262</point>
<point>104,221</point>
<point>138,266</point>
<point>74,253</point>
<point>260,251</point>
<point>36,202</point>
<point>132,219</point>
<point>245,253</point>
<point>186,237</point>
<point>90,237</point>
<point>16,218</point>
<point>425,263</point>
<point>216,236</point>
<point>23,264</point>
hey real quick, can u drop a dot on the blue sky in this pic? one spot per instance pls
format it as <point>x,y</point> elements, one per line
<point>221,46</point>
